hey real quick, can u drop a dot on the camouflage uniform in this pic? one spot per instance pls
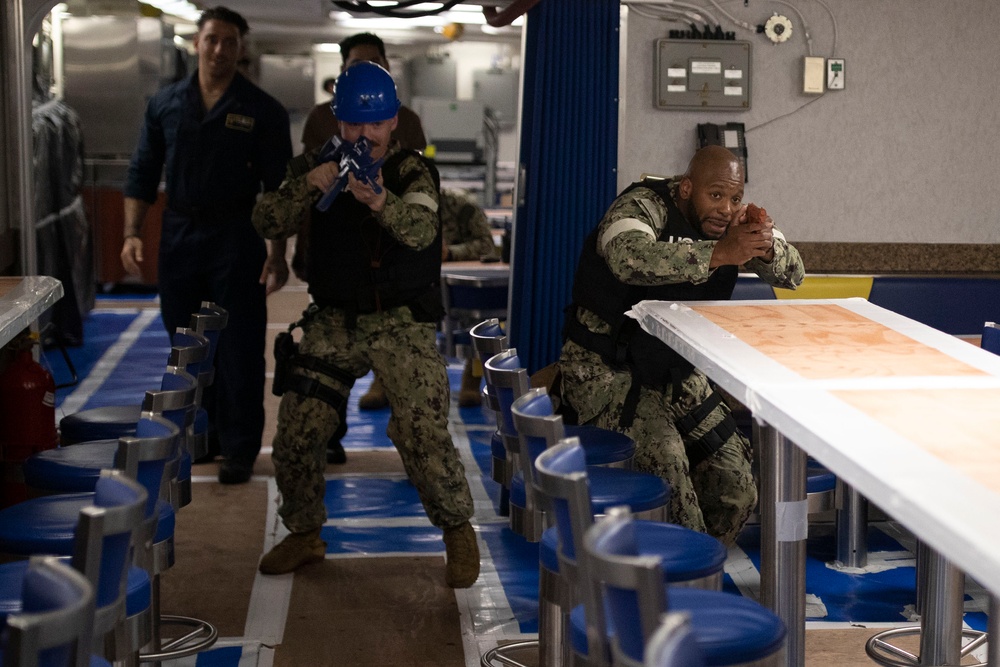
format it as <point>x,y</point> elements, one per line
<point>719,494</point>
<point>390,342</point>
<point>465,228</point>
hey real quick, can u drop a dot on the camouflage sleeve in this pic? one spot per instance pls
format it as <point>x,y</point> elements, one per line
<point>281,213</point>
<point>412,217</point>
<point>465,228</point>
<point>628,242</point>
<point>785,270</point>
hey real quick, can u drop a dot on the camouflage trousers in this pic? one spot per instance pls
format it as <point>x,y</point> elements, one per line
<point>719,494</point>
<point>403,355</point>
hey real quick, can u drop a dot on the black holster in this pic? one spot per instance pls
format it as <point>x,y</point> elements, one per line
<point>288,363</point>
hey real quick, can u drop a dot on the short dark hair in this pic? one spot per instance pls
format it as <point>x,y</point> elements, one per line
<point>359,39</point>
<point>329,83</point>
<point>221,13</point>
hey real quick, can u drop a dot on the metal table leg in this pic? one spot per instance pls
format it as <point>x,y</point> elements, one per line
<point>784,524</point>
<point>852,527</point>
<point>940,594</point>
<point>941,617</point>
<point>993,633</point>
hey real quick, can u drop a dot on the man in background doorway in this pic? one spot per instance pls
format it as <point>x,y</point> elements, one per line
<point>321,124</point>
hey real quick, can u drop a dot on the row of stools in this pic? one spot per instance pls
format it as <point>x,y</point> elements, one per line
<point>105,503</point>
<point>618,584</point>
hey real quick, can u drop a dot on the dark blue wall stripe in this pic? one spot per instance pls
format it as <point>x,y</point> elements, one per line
<point>569,149</point>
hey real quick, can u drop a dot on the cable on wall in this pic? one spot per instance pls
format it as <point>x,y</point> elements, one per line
<point>670,10</point>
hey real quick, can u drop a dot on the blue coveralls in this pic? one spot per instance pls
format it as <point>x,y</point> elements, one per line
<point>216,164</point>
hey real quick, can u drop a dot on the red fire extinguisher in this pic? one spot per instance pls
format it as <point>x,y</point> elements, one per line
<point>27,418</point>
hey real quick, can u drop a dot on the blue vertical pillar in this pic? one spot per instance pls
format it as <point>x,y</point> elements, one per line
<point>568,156</point>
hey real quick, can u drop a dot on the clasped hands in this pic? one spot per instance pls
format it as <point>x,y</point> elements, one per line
<point>749,235</point>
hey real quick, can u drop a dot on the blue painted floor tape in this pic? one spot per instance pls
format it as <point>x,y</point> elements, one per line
<point>374,540</point>
<point>516,563</point>
<point>371,498</point>
<point>139,369</point>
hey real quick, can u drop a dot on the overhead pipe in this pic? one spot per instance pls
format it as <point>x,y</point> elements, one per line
<point>499,19</point>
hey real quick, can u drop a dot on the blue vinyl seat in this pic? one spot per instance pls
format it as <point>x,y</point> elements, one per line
<point>698,559</point>
<point>729,629</point>
<point>101,550</point>
<point>673,644</point>
<point>489,339</point>
<point>53,626</point>
<point>508,380</point>
<point>77,467</point>
<point>192,353</point>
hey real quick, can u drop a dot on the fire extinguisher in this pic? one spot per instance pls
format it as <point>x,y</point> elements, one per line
<point>27,418</point>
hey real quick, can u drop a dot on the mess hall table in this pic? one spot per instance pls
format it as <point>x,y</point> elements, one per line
<point>22,300</point>
<point>907,415</point>
<point>472,292</point>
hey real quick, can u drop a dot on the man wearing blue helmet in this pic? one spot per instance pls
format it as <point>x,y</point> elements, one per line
<point>373,271</point>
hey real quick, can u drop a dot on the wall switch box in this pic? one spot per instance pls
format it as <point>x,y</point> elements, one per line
<point>813,75</point>
<point>835,73</point>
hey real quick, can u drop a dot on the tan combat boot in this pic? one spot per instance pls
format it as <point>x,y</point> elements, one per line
<point>462,553</point>
<point>374,398</point>
<point>294,551</point>
<point>468,395</point>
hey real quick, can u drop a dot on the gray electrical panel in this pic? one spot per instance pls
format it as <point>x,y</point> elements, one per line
<point>702,74</point>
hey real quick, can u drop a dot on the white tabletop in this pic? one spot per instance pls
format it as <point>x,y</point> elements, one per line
<point>22,300</point>
<point>907,415</point>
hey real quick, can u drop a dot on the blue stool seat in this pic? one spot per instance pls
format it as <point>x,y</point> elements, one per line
<point>820,482</point>
<point>517,496</point>
<point>645,491</point>
<point>166,521</point>
<point>44,525</point>
<point>11,581</point>
<point>609,487</point>
<point>548,549</point>
<point>729,629</point>
<point>601,445</point>
<point>70,469</point>
<point>138,591</point>
<point>497,450</point>
<point>137,598</point>
<point>78,467</point>
<point>112,421</point>
<point>686,554</point>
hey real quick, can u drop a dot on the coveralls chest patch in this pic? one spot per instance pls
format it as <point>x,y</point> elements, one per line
<point>235,121</point>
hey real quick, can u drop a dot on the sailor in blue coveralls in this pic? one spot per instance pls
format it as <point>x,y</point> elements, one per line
<point>222,141</point>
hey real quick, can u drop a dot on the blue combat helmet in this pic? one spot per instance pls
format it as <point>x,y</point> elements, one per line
<point>365,93</point>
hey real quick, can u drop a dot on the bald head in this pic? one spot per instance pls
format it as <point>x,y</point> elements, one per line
<point>711,190</point>
<point>713,162</point>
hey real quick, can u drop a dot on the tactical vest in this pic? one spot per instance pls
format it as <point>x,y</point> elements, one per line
<point>355,264</point>
<point>595,288</point>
